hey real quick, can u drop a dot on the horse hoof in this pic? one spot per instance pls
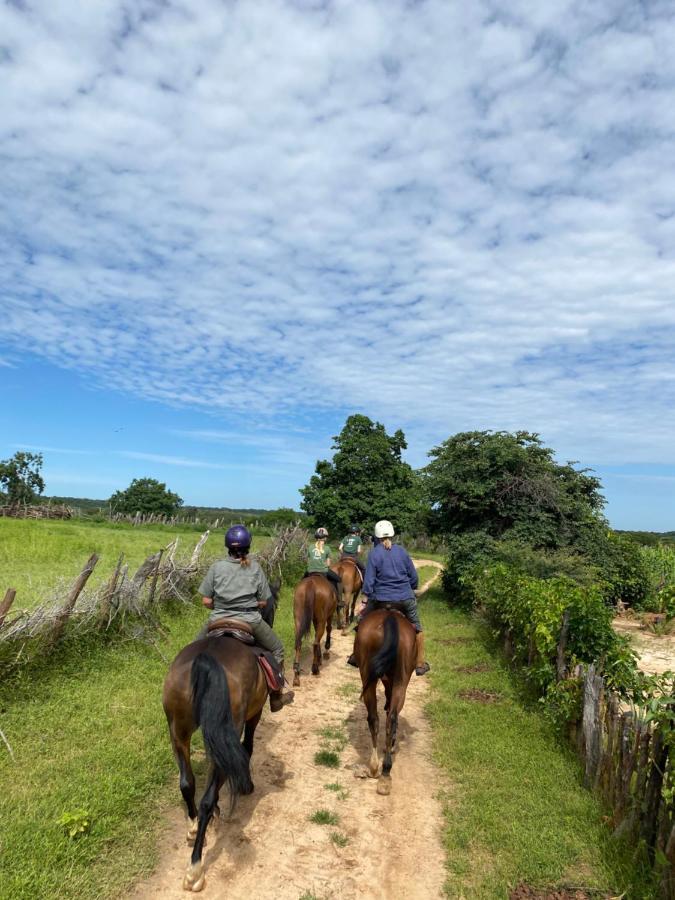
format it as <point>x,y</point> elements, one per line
<point>384,785</point>
<point>296,680</point>
<point>315,670</point>
<point>192,830</point>
<point>326,654</point>
<point>194,878</point>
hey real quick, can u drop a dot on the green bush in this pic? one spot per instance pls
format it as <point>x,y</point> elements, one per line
<point>624,572</point>
<point>531,611</point>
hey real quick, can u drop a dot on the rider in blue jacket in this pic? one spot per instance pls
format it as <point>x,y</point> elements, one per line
<point>391,578</point>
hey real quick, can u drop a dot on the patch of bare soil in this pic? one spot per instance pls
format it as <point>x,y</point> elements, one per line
<point>420,563</point>
<point>656,652</point>
<point>525,892</point>
<point>269,848</point>
<point>478,695</point>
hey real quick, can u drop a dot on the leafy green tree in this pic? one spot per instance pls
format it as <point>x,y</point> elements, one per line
<point>365,481</point>
<point>146,495</point>
<point>510,484</point>
<point>20,477</point>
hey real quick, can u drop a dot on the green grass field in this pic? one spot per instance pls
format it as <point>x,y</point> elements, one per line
<point>39,557</point>
<point>515,807</point>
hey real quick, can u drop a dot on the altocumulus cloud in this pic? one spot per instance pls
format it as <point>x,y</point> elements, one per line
<point>451,215</point>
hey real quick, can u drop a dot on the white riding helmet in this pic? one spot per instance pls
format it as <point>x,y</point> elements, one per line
<point>384,529</point>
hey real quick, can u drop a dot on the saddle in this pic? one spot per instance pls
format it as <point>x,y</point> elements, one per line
<point>242,631</point>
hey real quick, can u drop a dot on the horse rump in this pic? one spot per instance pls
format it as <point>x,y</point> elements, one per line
<point>385,660</point>
<point>304,597</point>
<point>212,712</point>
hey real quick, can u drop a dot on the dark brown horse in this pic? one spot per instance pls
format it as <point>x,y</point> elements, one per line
<point>352,582</point>
<point>385,650</point>
<point>314,601</point>
<point>215,684</point>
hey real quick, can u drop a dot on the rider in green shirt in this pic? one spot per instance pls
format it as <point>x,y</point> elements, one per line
<point>351,547</point>
<point>319,559</point>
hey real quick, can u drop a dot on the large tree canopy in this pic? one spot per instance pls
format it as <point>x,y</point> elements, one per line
<point>146,495</point>
<point>366,480</point>
<point>20,477</point>
<point>504,484</point>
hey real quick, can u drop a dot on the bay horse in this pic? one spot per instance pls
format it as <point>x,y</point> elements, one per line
<point>216,684</point>
<point>385,650</point>
<point>352,582</point>
<point>314,601</point>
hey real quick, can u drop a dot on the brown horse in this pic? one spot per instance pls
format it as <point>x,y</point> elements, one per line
<point>314,601</point>
<point>352,582</point>
<point>215,684</point>
<point>385,650</point>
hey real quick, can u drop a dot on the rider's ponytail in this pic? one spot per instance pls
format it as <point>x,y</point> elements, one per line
<point>241,555</point>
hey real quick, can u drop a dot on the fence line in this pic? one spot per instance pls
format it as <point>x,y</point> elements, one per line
<point>626,761</point>
<point>159,578</point>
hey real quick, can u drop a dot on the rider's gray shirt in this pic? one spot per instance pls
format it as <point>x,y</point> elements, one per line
<point>235,590</point>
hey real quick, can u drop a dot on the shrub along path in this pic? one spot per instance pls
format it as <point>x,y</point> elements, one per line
<point>516,812</point>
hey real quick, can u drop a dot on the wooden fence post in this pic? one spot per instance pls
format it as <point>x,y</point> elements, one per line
<point>71,599</point>
<point>561,665</point>
<point>6,603</point>
<point>151,595</point>
<point>109,593</point>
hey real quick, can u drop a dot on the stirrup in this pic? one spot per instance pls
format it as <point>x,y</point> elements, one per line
<point>351,661</point>
<point>279,700</point>
<point>423,669</point>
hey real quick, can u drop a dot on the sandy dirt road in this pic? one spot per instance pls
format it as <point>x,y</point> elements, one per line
<point>269,849</point>
<point>656,651</point>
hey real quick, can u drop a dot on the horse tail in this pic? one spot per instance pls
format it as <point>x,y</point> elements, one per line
<point>306,613</point>
<point>212,711</point>
<point>387,656</point>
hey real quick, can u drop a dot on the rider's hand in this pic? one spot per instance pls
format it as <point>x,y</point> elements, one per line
<point>208,602</point>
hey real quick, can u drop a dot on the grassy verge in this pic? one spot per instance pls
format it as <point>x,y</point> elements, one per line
<point>37,555</point>
<point>516,810</point>
<point>89,736</point>
<point>90,745</point>
<point>88,733</point>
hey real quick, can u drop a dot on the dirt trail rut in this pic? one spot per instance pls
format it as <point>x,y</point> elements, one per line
<point>269,849</point>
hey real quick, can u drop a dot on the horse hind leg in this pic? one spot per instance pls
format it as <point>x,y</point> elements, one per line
<point>181,749</point>
<point>194,876</point>
<point>370,700</point>
<point>296,661</point>
<point>329,630</point>
<point>318,634</point>
<point>384,784</point>
<point>348,615</point>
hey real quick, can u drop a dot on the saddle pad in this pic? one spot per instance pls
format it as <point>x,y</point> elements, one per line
<point>270,668</point>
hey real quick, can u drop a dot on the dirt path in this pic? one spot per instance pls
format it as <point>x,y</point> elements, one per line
<point>268,848</point>
<point>656,651</point>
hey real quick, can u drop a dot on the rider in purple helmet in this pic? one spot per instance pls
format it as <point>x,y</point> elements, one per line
<point>236,588</point>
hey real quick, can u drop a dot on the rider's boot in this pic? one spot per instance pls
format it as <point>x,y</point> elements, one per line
<point>422,666</point>
<point>279,699</point>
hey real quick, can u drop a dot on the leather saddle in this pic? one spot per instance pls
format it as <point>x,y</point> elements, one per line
<point>242,631</point>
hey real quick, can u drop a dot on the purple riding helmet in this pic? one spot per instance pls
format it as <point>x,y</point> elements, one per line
<point>238,537</point>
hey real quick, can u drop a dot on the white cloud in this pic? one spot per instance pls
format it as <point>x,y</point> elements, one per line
<point>450,217</point>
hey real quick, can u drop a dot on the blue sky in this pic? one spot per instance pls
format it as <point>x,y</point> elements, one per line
<point>225,226</point>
